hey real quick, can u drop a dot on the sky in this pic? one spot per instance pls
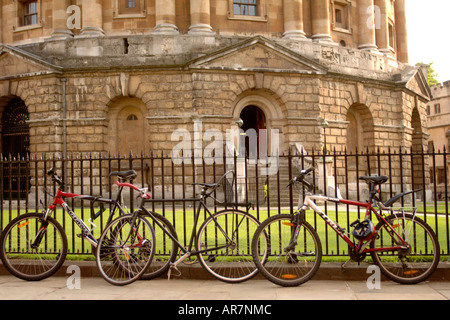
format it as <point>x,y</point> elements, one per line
<point>428,34</point>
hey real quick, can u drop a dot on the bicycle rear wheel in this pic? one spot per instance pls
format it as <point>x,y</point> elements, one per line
<point>289,263</point>
<point>224,240</point>
<point>414,263</point>
<point>126,249</point>
<point>32,249</point>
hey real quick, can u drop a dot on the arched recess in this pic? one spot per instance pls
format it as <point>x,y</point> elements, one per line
<point>417,136</point>
<point>417,147</point>
<point>127,126</point>
<point>266,105</point>
<point>360,137</point>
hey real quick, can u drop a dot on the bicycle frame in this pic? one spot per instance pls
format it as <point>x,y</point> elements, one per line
<point>362,245</point>
<point>187,251</point>
<point>86,231</point>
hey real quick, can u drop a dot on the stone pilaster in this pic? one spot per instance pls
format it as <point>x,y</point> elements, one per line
<point>200,17</point>
<point>366,26</point>
<point>382,30</point>
<point>293,19</point>
<point>60,30</point>
<point>320,16</point>
<point>401,31</point>
<point>92,18</point>
<point>165,17</point>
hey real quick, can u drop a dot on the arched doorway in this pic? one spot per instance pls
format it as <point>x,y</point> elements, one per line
<point>15,144</point>
<point>254,118</point>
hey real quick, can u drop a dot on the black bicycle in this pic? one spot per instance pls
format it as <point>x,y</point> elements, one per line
<point>222,243</point>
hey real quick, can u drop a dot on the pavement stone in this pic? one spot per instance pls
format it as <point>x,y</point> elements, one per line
<point>196,286</point>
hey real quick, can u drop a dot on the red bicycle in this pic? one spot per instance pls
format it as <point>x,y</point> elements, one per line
<point>287,249</point>
<point>34,246</point>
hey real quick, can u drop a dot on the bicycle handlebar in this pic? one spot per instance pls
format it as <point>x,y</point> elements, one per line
<point>55,178</point>
<point>301,178</point>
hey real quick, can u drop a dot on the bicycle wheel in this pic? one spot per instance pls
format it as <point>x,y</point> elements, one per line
<point>127,246</point>
<point>224,240</point>
<point>288,264</point>
<point>414,263</point>
<point>166,249</point>
<point>32,249</point>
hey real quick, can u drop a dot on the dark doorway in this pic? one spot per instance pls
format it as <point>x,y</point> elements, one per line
<point>15,145</point>
<point>254,118</point>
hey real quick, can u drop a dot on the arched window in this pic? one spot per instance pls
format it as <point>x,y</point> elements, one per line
<point>15,144</point>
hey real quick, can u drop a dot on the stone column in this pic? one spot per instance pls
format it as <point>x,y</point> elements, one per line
<point>200,17</point>
<point>401,31</point>
<point>320,16</point>
<point>382,26</point>
<point>92,18</point>
<point>293,19</point>
<point>367,25</point>
<point>60,30</point>
<point>165,17</point>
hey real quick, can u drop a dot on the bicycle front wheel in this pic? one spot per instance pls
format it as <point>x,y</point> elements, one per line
<point>33,249</point>
<point>224,243</point>
<point>415,262</point>
<point>126,249</point>
<point>282,259</point>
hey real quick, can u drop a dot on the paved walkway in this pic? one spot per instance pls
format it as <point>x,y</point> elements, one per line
<point>95,288</point>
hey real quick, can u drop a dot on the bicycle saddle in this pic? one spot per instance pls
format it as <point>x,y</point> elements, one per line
<point>207,185</point>
<point>374,179</point>
<point>126,175</point>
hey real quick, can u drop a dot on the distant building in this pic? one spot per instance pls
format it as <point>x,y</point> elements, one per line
<point>438,111</point>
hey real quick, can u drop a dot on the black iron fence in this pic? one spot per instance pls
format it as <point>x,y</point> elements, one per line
<point>262,182</point>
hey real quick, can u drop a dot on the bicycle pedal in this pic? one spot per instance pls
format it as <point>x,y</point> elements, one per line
<point>169,273</point>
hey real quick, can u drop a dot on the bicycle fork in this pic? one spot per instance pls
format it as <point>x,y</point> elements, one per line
<point>40,235</point>
<point>297,225</point>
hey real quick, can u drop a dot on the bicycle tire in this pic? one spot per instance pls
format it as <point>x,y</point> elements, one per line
<point>233,263</point>
<point>124,255</point>
<point>161,261</point>
<point>407,266</point>
<point>33,264</point>
<point>283,267</point>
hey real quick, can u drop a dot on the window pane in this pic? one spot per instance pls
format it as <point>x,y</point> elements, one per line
<point>245,7</point>
<point>237,9</point>
<point>30,13</point>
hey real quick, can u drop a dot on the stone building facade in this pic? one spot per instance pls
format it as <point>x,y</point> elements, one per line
<point>118,76</point>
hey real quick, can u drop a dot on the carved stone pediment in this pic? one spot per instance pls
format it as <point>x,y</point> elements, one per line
<point>16,63</point>
<point>257,54</point>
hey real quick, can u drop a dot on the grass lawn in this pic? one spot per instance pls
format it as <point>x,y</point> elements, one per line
<point>334,248</point>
